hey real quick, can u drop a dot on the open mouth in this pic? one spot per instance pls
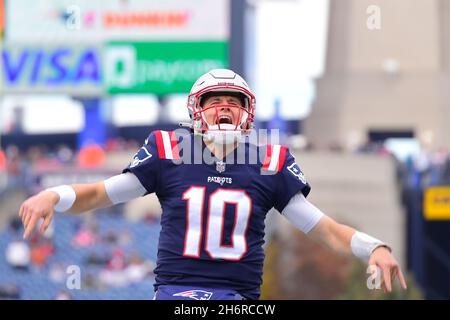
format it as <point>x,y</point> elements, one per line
<point>224,119</point>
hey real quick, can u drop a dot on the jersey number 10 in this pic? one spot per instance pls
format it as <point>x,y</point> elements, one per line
<point>195,197</point>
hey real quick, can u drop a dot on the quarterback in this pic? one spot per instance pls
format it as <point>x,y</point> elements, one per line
<point>212,225</point>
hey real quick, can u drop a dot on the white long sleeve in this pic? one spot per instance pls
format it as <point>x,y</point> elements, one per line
<point>124,187</point>
<point>302,213</point>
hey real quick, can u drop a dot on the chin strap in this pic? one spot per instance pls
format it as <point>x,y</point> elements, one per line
<point>189,125</point>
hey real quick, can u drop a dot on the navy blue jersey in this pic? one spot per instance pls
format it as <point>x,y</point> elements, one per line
<point>212,225</point>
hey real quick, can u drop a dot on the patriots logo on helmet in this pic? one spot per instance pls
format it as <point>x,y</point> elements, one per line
<point>195,294</point>
<point>140,156</point>
<point>295,170</point>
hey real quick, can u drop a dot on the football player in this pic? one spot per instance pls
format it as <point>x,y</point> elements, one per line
<point>212,225</point>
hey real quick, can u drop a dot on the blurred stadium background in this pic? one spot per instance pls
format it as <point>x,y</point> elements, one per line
<point>359,90</point>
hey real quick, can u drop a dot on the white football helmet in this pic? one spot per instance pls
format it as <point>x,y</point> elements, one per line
<point>227,82</point>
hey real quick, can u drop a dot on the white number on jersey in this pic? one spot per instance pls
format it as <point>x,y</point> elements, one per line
<point>195,197</point>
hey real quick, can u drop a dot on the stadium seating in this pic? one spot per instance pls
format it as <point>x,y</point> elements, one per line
<point>36,283</point>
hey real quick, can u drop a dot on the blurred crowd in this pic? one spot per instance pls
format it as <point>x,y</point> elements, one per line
<point>113,256</point>
<point>17,165</point>
<point>427,168</point>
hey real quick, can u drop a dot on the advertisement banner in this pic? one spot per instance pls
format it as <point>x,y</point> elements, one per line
<point>160,67</point>
<point>98,20</point>
<point>52,69</point>
<point>437,203</point>
<point>120,67</point>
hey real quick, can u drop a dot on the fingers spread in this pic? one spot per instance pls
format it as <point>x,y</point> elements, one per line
<point>21,210</point>
<point>387,278</point>
<point>23,213</point>
<point>27,220</point>
<point>30,226</point>
<point>46,223</point>
<point>402,279</point>
<point>23,218</point>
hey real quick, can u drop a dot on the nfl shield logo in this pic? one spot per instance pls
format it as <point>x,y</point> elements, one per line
<point>220,166</point>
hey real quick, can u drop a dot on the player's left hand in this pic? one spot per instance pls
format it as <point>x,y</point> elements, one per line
<point>382,258</point>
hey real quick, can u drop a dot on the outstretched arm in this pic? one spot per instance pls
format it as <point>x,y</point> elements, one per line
<point>78,198</point>
<point>343,239</point>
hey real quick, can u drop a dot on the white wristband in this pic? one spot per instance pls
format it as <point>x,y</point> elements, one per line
<point>67,197</point>
<point>363,245</point>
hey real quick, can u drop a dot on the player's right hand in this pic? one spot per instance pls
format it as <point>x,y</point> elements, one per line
<point>35,208</point>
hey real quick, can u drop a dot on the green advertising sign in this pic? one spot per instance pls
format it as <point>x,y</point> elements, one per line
<point>160,67</point>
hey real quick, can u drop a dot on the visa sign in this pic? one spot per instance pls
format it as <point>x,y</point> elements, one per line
<point>65,68</point>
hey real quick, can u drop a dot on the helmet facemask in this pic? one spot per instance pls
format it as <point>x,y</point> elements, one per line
<point>223,130</point>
